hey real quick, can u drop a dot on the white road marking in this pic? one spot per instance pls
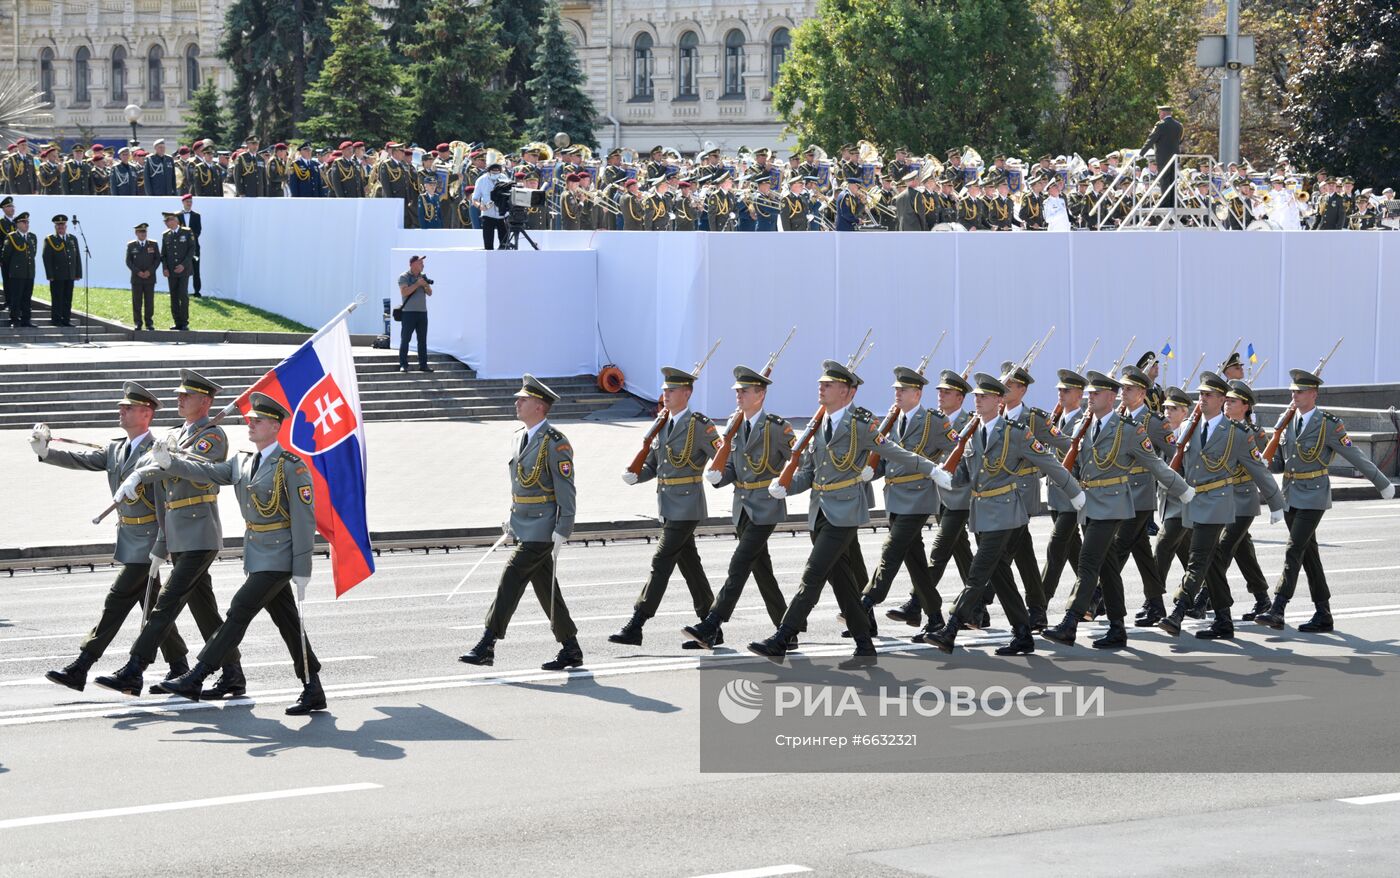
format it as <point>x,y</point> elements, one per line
<point>1136,711</point>
<point>41,637</point>
<point>35,658</point>
<point>1372,800</point>
<point>17,822</point>
<point>761,872</point>
<point>325,661</point>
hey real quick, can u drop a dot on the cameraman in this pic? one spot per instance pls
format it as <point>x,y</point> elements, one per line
<point>491,205</point>
<point>414,289</point>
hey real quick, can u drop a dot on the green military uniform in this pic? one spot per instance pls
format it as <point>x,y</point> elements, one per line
<point>177,251</point>
<point>63,265</point>
<point>278,169</point>
<point>542,511</point>
<point>17,262</point>
<point>249,171</point>
<point>50,178</point>
<point>77,177</point>
<point>136,535</point>
<point>143,261</point>
<point>636,209</point>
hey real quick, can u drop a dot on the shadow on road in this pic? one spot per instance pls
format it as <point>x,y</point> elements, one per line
<point>588,686</point>
<point>265,736</point>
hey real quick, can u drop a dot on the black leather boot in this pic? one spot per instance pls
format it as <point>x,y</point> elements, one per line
<point>1221,629</point>
<point>1321,622</point>
<point>863,657</point>
<point>1261,605</point>
<point>707,634</point>
<point>313,697</point>
<point>188,684</point>
<point>1038,620</point>
<point>775,647</point>
<point>1095,606</point>
<point>791,643</point>
<point>909,612</point>
<point>570,656</point>
<point>869,606</point>
<point>1063,632</point>
<point>1022,643</point>
<point>231,683</point>
<point>1171,623</point>
<point>1115,638</point>
<point>74,676</point>
<point>1198,609</point>
<point>631,633</point>
<point>484,653</point>
<point>944,637</point>
<point>178,668</point>
<point>1153,611</point>
<point>127,681</point>
<point>1274,617</point>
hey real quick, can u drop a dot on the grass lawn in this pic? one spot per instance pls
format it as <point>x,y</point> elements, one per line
<point>205,313</point>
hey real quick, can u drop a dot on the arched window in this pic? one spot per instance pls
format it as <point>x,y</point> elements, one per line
<point>46,74</point>
<point>82,75</point>
<point>734,64</point>
<point>192,77</point>
<point>778,52</point>
<point>155,73</point>
<point>641,67</point>
<point>118,74</point>
<point>688,65</point>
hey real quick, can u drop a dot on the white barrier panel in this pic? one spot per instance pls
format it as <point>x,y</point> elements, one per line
<point>507,313</point>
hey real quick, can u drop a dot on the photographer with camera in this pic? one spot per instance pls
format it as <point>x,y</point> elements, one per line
<point>414,289</point>
<point>493,205</point>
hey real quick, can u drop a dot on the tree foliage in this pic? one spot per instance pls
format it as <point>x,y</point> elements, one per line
<point>556,93</point>
<point>274,48</point>
<point>520,33</point>
<point>401,30</point>
<point>454,68</point>
<point>358,93</point>
<point>205,118</point>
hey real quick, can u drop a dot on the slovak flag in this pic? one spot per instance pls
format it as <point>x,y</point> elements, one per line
<point>317,385</point>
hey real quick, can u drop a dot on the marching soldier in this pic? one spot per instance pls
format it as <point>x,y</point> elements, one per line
<point>834,467</point>
<point>136,533</point>
<point>249,170</point>
<point>541,519</point>
<point>17,262</point>
<point>762,447</point>
<point>1176,530</point>
<point>679,453</point>
<point>177,250</point>
<point>277,498</point>
<point>999,449</point>
<point>142,259</point>
<point>63,264</point>
<point>190,534</point>
<point>1309,445</point>
<point>1017,381</point>
<point>49,174</point>
<point>1217,449</point>
<point>1114,446</point>
<point>1065,542</point>
<point>278,170</point>
<point>77,173</point>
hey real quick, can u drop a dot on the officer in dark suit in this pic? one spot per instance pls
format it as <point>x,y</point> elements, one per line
<point>17,259</point>
<point>159,171</point>
<point>1165,141</point>
<point>63,264</point>
<point>189,218</point>
<point>7,225</point>
<point>177,248</point>
<point>143,258</point>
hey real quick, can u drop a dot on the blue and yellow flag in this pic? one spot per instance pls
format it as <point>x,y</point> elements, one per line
<point>1253,358</point>
<point>1167,351</point>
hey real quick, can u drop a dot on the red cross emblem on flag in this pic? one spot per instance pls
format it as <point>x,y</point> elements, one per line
<point>323,419</point>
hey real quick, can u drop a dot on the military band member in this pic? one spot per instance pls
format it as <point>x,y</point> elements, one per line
<point>661,208</point>
<point>763,207</point>
<point>77,173</point>
<point>136,532</point>
<point>1216,450</point>
<point>541,519</point>
<point>636,209</point>
<point>573,206</point>
<point>1001,211</point>
<point>143,259</point>
<point>849,205</point>
<point>49,175</point>
<point>1065,542</point>
<point>191,535</point>
<point>795,207</point>
<point>430,205</point>
<point>63,264</point>
<point>833,467</point>
<point>683,207</point>
<point>998,449</point>
<point>101,172</point>
<point>972,210</point>
<point>762,447</point>
<point>1017,381</point>
<point>249,170</point>
<point>177,251</point>
<point>277,498</point>
<point>17,253</point>
<point>721,209</point>
<point>1309,445</point>
<point>1033,205</point>
<point>1114,446</point>
<point>678,455</point>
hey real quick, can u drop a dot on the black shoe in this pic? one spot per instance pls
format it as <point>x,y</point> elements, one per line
<point>426,369</point>
<point>1021,642</point>
<point>189,684</point>
<point>1037,619</point>
<point>570,656</point>
<point>984,620</point>
<point>75,675</point>
<point>791,643</point>
<point>127,681</point>
<point>197,295</point>
<point>231,683</point>
<point>313,697</point>
<point>869,618</point>
<point>150,328</point>
<point>1063,632</point>
<point>1321,622</point>
<point>1153,610</point>
<point>944,637</point>
<point>1171,623</point>
<point>631,633</point>
<point>1221,629</point>
<point>1198,609</point>
<point>1152,528</point>
<point>174,329</point>
<point>707,634</point>
<point>1115,638</point>
<point>909,612</point>
<point>775,647</point>
<point>1261,605</point>
<point>178,668</point>
<point>863,657</point>
<point>484,653</point>
<point>1274,617</point>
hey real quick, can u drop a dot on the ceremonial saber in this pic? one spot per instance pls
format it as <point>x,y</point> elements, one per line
<point>78,442</point>
<point>301,623</point>
<point>494,546</point>
<point>152,579</point>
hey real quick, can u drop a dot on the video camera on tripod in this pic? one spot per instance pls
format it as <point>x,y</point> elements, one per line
<point>516,202</point>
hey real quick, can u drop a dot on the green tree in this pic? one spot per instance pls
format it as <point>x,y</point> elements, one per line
<point>358,93</point>
<point>454,67</point>
<point>1117,59</point>
<point>556,92</point>
<point>402,20</point>
<point>274,48</point>
<point>520,28</point>
<point>205,117</point>
<point>1344,94</point>
<point>924,73</point>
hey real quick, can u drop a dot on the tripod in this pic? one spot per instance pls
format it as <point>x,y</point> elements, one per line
<point>87,341</point>
<point>514,230</point>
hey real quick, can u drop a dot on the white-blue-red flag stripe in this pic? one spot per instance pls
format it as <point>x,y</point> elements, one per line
<point>317,385</point>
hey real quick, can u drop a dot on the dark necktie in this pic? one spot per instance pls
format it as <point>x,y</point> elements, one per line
<point>1297,428</point>
<point>257,459</point>
<point>524,440</point>
<point>903,425</point>
<point>746,431</point>
<point>826,430</point>
<point>1205,433</point>
<point>1097,425</point>
<point>984,438</point>
<point>129,449</point>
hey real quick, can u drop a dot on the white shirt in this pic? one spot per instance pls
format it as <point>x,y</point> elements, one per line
<point>834,418</point>
<point>132,443</point>
<point>1015,413</point>
<point>991,425</point>
<point>674,420</point>
<point>270,451</point>
<point>907,418</point>
<point>1211,425</point>
<point>1302,419</point>
<point>531,431</point>
<point>1056,214</point>
<point>481,195</point>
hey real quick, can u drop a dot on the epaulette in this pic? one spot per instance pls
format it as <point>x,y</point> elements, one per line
<point>1331,417</point>
<point>1017,425</point>
<point>862,415</point>
<point>554,434</point>
<point>290,457</point>
<point>1035,411</point>
<point>701,418</point>
<point>772,418</point>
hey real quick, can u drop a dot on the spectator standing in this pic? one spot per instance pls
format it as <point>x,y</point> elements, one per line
<point>414,289</point>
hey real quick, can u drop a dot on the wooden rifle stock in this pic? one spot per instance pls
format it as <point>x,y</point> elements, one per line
<point>1284,420</point>
<point>1179,459</point>
<point>956,455</point>
<point>790,468</point>
<point>1073,454</point>
<point>635,467</point>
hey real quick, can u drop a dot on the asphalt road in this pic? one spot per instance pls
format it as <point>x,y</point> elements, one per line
<point>424,765</point>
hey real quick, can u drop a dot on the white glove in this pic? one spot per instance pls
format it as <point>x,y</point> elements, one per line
<point>301,582</point>
<point>1275,516</point>
<point>156,562</point>
<point>713,476</point>
<point>1388,492</point>
<point>505,528</point>
<point>942,478</point>
<point>629,478</point>
<point>1077,501</point>
<point>1189,495</point>
<point>160,453</point>
<point>777,491</point>
<point>559,540</point>
<point>39,440</point>
<point>866,474</point>
<point>127,489</point>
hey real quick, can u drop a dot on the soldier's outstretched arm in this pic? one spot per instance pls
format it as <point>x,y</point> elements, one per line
<point>223,472</point>
<point>1145,455</point>
<point>1043,459</point>
<point>1339,442</point>
<point>1247,455</point>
